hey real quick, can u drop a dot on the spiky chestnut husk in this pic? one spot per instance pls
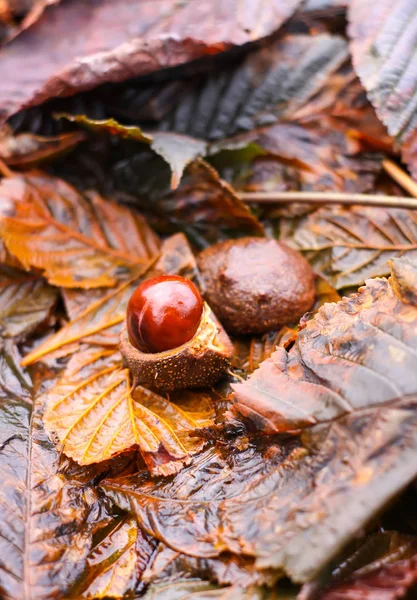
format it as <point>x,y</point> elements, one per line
<point>199,362</point>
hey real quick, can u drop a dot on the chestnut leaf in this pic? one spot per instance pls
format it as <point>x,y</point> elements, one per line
<point>348,245</point>
<point>96,414</point>
<point>45,517</point>
<point>73,239</point>
<point>26,301</point>
<point>26,150</point>
<point>121,39</point>
<point>382,45</point>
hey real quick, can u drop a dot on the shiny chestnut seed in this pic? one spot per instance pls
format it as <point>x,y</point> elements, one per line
<point>163,313</point>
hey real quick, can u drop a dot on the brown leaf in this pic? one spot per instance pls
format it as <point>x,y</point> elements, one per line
<point>27,150</point>
<point>76,240</point>
<point>204,206</point>
<point>382,45</point>
<point>26,301</point>
<point>349,383</point>
<point>130,39</point>
<point>384,566</point>
<point>348,245</point>
<point>45,518</point>
<point>95,414</point>
<point>100,322</point>
<point>116,563</point>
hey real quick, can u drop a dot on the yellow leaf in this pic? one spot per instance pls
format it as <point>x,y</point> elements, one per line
<point>95,415</point>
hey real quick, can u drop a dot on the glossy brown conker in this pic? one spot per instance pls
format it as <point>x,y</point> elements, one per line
<point>163,313</point>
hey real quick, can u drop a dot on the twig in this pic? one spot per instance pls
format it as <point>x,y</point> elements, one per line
<point>322,198</point>
<point>400,176</point>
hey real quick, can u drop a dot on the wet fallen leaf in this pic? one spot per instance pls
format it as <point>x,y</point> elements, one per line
<point>96,414</point>
<point>26,301</point>
<point>382,45</point>
<point>348,245</point>
<point>177,150</point>
<point>116,563</point>
<point>130,39</point>
<point>353,397</point>
<point>384,566</point>
<point>45,526</point>
<point>47,224</point>
<point>27,150</point>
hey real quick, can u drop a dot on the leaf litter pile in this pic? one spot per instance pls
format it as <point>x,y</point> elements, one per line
<point>262,155</point>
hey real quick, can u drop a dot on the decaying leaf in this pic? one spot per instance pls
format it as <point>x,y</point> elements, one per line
<point>96,414</point>
<point>354,395</point>
<point>115,564</point>
<point>348,245</point>
<point>26,301</point>
<point>176,149</point>
<point>383,40</point>
<point>130,38</point>
<point>100,322</point>
<point>47,224</point>
<point>27,150</point>
<point>45,527</point>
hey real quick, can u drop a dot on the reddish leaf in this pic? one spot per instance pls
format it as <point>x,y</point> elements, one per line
<point>73,239</point>
<point>130,38</point>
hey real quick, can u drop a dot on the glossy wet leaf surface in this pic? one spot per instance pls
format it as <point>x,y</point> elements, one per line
<point>294,476</point>
<point>129,40</point>
<point>48,225</point>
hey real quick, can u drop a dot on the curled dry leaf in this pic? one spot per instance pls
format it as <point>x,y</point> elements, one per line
<point>96,413</point>
<point>348,245</point>
<point>28,150</point>
<point>382,44</point>
<point>130,38</point>
<point>46,224</point>
<point>176,149</point>
<point>348,383</point>
<point>26,301</point>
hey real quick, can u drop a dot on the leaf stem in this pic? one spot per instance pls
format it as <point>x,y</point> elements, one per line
<point>322,198</point>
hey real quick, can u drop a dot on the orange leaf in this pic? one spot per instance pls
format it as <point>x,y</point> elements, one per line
<point>76,240</point>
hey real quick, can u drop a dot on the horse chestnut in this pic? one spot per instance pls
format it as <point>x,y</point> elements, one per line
<point>163,313</point>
